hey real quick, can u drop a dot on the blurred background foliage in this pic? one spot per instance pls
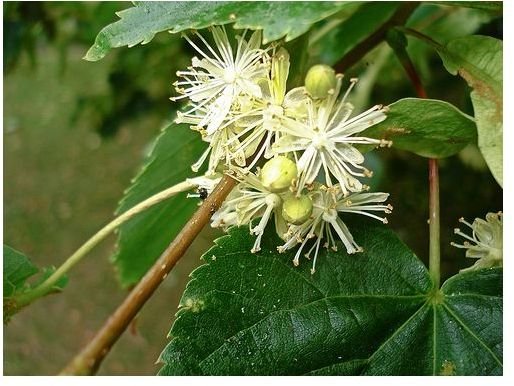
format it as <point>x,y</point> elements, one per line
<point>138,80</point>
<point>75,133</point>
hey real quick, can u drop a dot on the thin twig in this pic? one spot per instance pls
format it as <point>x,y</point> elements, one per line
<point>425,38</point>
<point>89,359</point>
<point>397,19</point>
<point>47,286</point>
<point>398,42</point>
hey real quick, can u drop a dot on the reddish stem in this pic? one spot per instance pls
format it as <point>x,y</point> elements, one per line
<point>434,264</point>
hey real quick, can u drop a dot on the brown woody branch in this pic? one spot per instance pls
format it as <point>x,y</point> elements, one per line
<point>89,359</point>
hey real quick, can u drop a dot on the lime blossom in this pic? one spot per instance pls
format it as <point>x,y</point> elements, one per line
<point>485,242</point>
<point>326,139</point>
<point>328,203</point>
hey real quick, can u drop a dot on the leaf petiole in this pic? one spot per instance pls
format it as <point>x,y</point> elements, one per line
<point>434,263</point>
<point>398,45</point>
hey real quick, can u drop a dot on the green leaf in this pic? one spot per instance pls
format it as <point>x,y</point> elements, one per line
<point>142,239</point>
<point>372,313</point>
<point>478,60</point>
<point>439,23</point>
<point>495,7</point>
<point>427,127</point>
<point>140,23</point>
<point>17,269</point>
<point>340,39</point>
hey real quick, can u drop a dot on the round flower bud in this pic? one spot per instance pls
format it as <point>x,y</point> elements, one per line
<point>296,210</point>
<point>320,80</point>
<point>278,173</point>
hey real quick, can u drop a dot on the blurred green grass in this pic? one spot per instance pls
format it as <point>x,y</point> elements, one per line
<point>61,184</point>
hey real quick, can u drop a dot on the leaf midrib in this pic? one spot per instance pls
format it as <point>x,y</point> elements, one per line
<point>434,336</point>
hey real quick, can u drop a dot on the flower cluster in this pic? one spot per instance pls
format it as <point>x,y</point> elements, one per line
<point>239,102</point>
<point>485,242</point>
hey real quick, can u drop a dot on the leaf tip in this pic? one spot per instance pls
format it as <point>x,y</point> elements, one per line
<point>94,54</point>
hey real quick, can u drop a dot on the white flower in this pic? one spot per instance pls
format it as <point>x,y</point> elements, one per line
<point>485,243</point>
<point>327,204</point>
<point>248,201</point>
<point>260,117</point>
<point>326,138</point>
<point>221,148</point>
<point>213,82</point>
<point>226,215</point>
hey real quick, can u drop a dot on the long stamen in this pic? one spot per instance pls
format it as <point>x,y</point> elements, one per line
<point>198,164</point>
<point>313,269</point>
<point>207,57</point>
<point>463,221</point>
<point>208,47</point>
<point>383,219</point>
<point>457,231</point>
<point>221,40</point>
<point>296,260</point>
<point>353,82</point>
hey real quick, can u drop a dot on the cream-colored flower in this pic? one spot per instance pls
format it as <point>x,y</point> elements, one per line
<point>220,151</point>
<point>327,204</point>
<point>213,82</point>
<point>325,141</point>
<point>250,200</point>
<point>239,102</point>
<point>260,118</point>
<point>485,242</point>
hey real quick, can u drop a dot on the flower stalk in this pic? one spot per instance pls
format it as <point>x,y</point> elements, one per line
<point>48,285</point>
<point>397,19</point>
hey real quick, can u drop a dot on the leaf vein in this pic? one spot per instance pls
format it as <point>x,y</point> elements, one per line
<point>398,330</point>
<point>470,332</point>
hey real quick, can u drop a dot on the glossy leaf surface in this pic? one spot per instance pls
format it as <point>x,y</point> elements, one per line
<point>372,313</point>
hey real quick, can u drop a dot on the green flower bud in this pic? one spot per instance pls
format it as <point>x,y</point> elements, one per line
<point>320,81</point>
<point>296,210</point>
<point>278,173</point>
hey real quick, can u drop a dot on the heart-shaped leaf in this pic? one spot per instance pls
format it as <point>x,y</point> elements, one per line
<point>373,313</point>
